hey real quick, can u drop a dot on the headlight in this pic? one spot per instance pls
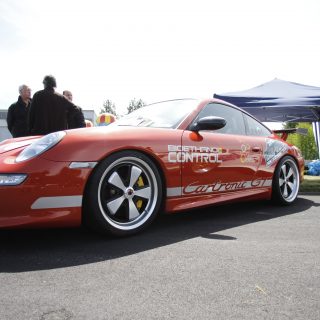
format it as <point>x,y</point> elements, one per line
<point>40,146</point>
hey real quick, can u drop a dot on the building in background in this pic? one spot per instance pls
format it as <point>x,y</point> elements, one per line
<point>90,115</point>
<point>5,134</point>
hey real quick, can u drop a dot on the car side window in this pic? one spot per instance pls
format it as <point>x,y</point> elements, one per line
<point>234,117</point>
<point>255,128</point>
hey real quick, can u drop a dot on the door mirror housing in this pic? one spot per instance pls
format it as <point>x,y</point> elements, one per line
<point>208,123</point>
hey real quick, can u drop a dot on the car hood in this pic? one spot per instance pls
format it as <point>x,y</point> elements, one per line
<point>81,134</point>
<point>16,143</point>
<point>92,144</point>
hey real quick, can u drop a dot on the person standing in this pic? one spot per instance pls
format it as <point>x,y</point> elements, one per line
<point>75,120</point>
<point>50,111</point>
<point>68,94</point>
<point>18,113</point>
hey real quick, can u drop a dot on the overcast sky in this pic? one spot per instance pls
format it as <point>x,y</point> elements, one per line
<point>156,50</point>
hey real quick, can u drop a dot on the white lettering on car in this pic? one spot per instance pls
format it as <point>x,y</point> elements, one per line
<point>184,154</point>
<point>219,186</point>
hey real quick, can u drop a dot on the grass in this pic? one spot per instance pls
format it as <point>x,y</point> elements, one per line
<point>310,184</point>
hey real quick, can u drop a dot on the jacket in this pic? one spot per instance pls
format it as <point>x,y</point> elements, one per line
<point>76,120</point>
<point>17,118</point>
<point>50,112</point>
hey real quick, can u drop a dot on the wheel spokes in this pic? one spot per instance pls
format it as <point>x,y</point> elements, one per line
<point>291,185</point>
<point>281,182</point>
<point>116,181</point>
<point>287,180</point>
<point>115,204</point>
<point>284,170</point>
<point>144,193</point>
<point>133,211</point>
<point>285,191</point>
<point>289,173</point>
<point>135,174</point>
<point>126,193</point>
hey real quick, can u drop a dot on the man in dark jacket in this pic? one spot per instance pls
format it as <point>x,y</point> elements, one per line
<point>77,120</point>
<point>17,113</point>
<point>50,111</point>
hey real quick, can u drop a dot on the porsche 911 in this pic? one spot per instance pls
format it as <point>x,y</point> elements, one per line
<point>165,157</point>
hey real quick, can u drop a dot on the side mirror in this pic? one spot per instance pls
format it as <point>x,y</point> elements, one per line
<point>208,123</point>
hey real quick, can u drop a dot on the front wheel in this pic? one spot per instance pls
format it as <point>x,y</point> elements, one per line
<point>286,181</point>
<point>124,194</point>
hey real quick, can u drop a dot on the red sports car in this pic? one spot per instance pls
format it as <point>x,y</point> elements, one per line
<point>168,156</point>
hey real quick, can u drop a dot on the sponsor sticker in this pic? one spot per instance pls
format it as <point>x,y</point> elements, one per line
<point>183,154</point>
<point>219,186</point>
<point>274,150</point>
<point>245,156</point>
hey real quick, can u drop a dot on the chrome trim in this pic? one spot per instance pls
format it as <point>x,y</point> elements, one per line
<point>57,202</point>
<point>174,192</point>
<point>82,165</point>
<point>12,179</point>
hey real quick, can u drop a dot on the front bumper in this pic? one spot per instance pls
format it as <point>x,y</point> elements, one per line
<point>50,195</point>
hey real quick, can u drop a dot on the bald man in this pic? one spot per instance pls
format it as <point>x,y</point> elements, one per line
<point>76,120</point>
<point>67,94</point>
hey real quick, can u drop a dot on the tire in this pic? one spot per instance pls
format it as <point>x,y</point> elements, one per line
<point>286,182</point>
<point>123,194</point>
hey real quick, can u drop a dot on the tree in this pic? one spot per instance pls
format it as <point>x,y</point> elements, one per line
<point>291,125</point>
<point>135,104</point>
<point>108,107</point>
<point>305,143</point>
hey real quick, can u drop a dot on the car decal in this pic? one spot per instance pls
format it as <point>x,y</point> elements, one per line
<point>182,154</point>
<point>273,151</point>
<point>246,156</point>
<point>216,187</point>
<point>57,202</point>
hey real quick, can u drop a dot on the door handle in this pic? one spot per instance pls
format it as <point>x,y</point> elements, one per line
<point>256,149</point>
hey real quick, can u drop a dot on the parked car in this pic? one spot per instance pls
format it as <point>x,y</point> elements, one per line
<point>165,157</point>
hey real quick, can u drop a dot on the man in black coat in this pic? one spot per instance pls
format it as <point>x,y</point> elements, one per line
<point>76,120</point>
<point>50,111</point>
<point>18,112</point>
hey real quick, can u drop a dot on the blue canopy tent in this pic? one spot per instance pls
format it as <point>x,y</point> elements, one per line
<point>280,101</point>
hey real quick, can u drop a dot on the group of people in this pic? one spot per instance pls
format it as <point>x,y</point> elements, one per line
<point>48,111</point>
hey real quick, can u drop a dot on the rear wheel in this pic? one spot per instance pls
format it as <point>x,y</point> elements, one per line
<point>124,194</point>
<point>286,181</point>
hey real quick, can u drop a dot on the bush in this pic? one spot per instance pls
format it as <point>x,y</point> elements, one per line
<point>307,143</point>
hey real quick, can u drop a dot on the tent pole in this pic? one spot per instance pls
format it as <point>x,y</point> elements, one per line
<point>316,132</point>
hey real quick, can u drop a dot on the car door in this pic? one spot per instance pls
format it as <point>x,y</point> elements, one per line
<point>223,162</point>
<point>261,136</point>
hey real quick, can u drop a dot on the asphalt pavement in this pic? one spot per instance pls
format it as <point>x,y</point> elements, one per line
<point>240,261</point>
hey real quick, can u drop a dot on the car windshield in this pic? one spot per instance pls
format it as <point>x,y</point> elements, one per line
<point>167,114</point>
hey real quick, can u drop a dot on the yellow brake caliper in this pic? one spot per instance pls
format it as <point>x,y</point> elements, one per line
<point>140,184</point>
